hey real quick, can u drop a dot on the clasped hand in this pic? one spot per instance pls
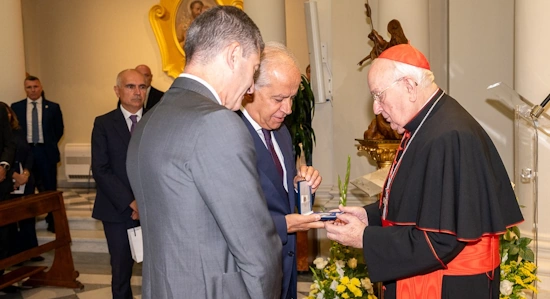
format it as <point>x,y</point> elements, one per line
<point>19,179</point>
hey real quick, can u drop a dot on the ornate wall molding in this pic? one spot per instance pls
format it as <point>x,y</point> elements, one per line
<point>169,20</point>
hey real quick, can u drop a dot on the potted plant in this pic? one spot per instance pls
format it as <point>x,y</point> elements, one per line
<point>299,122</point>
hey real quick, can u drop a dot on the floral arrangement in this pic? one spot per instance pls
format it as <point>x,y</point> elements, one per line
<point>344,274</point>
<point>517,267</point>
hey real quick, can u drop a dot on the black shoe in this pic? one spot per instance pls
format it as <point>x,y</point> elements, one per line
<point>51,228</point>
<point>37,259</point>
<point>10,289</point>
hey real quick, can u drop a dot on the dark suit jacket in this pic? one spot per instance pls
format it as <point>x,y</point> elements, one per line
<point>52,125</point>
<point>7,151</point>
<point>154,97</point>
<point>23,156</point>
<point>110,138</point>
<point>279,202</point>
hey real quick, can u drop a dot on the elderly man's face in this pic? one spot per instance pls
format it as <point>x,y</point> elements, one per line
<point>273,102</point>
<point>391,93</point>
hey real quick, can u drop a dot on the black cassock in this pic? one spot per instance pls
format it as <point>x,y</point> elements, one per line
<point>452,185</point>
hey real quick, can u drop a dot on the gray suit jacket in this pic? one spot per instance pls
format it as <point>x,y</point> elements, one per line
<point>206,227</point>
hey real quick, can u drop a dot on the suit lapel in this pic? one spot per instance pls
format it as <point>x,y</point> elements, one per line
<point>45,111</point>
<point>264,162</point>
<point>121,127</point>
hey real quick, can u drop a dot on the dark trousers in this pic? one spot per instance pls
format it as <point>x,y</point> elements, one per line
<point>45,173</point>
<point>22,234</point>
<point>121,257</point>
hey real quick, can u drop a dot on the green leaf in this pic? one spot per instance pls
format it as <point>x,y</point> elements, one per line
<point>513,251</point>
<point>528,255</point>
<point>516,231</point>
<point>523,242</point>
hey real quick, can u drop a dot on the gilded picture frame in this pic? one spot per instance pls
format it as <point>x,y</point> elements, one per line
<point>170,19</point>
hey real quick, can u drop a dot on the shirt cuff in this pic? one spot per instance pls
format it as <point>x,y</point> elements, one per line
<point>5,164</point>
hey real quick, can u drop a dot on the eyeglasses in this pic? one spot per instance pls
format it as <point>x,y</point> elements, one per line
<point>377,96</point>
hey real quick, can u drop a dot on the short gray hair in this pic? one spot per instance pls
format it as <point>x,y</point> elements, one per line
<point>423,77</point>
<point>216,28</point>
<point>272,54</point>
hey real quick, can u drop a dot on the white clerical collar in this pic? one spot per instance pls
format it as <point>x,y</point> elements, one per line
<point>201,81</point>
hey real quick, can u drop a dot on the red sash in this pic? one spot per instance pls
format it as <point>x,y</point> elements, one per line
<point>476,258</point>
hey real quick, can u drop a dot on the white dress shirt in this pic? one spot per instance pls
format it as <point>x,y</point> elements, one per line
<point>127,115</point>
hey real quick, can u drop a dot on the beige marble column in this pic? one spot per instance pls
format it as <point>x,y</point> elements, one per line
<point>269,15</point>
<point>532,80</point>
<point>12,52</point>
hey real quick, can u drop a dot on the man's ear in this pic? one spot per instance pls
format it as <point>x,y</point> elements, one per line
<point>233,53</point>
<point>410,84</point>
<point>115,88</point>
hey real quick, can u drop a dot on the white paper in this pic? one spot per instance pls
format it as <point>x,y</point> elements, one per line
<point>373,182</point>
<point>136,243</point>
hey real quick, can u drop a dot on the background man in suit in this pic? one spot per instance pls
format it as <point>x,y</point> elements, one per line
<point>207,232</point>
<point>115,204</point>
<point>153,95</point>
<point>42,122</point>
<point>275,86</point>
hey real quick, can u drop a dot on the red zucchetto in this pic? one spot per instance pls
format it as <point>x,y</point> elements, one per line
<point>406,53</point>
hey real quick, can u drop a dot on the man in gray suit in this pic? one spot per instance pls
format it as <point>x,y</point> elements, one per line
<point>207,232</point>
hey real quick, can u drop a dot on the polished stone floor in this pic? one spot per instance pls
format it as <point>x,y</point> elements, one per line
<point>95,275</point>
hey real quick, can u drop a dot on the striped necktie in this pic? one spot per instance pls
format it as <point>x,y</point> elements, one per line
<point>271,148</point>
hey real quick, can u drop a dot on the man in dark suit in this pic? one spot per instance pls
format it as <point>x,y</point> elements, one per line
<point>42,122</point>
<point>275,86</point>
<point>115,204</point>
<point>153,95</point>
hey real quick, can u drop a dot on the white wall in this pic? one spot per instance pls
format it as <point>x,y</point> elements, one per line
<point>481,52</point>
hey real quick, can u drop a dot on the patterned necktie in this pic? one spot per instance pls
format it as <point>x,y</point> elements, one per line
<point>133,118</point>
<point>35,136</point>
<point>271,148</point>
